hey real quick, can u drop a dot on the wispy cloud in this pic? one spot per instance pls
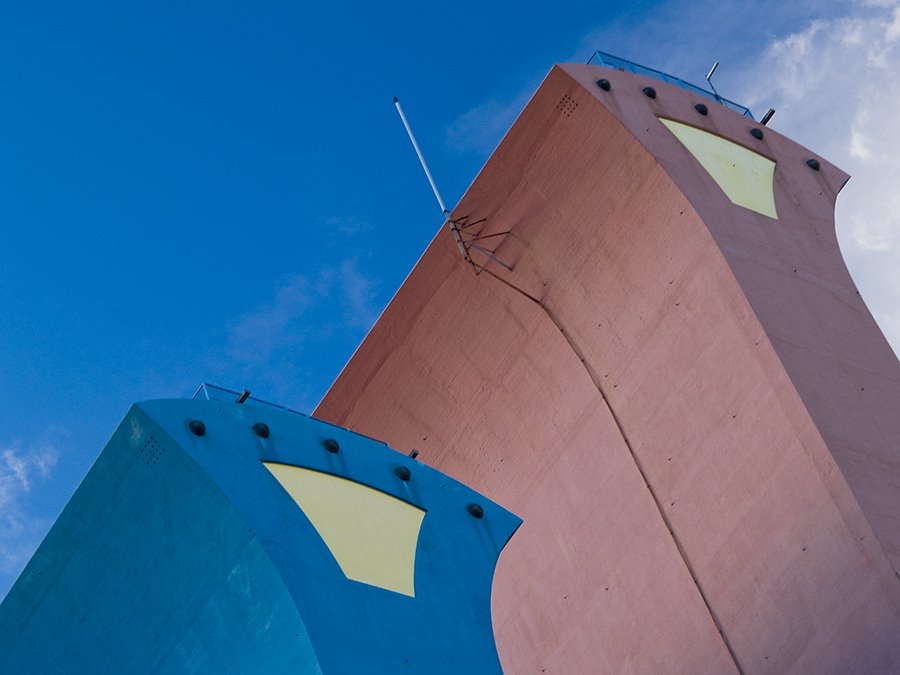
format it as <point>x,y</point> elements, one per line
<point>346,227</point>
<point>481,128</point>
<point>357,293</point>
<point>254,336</point>
<point>303,307</point>
<point>830,71</point>
<point>279,344</point>
<point>835,88</point>
<point>664,38</point>
<point>20,528</point>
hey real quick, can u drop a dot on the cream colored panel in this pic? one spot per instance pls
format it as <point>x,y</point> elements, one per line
<point>746,177</point>
<point>372,535</point>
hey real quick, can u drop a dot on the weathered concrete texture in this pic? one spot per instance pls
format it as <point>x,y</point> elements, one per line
<point>653,332</point>
<point>185,553</point>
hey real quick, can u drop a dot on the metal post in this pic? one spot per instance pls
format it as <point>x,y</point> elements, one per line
<point>453,228</point>
<point>709,79</point>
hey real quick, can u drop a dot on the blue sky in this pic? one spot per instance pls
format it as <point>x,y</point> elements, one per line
<point>212,192</point>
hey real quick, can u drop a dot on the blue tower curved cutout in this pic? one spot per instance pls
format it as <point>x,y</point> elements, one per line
<point>212,536</point>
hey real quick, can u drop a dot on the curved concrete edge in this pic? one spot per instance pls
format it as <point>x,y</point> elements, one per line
<point>182,550</point>
<point>455,560</point>
<point>794,277</point>
<point>150,568</point>
<point>628,367</point>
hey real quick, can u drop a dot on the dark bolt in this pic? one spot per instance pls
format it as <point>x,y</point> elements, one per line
<point>402,473</point>
<point>603,84</point>
<point>702,109</point>
<point>813,164</point>
<point>475,510</point>
<point>331,445</point>
<point>650,92</point>
<point>197,427</point>
<point>756,133</point>
<point>261,429</point>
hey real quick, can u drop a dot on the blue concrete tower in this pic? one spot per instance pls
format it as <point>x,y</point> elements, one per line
<point>213,536</point>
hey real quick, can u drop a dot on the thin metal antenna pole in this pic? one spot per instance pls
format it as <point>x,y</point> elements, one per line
<point>421,157</point>
<point>453,227</point>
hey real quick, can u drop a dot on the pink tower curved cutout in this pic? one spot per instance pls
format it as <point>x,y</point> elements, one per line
<point>680,391</point>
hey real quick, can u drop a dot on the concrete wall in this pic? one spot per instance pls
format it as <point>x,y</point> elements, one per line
<point>686,400</point>
<point>217,552</point>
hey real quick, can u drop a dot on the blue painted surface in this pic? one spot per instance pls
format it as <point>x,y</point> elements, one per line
<point>184,554</point>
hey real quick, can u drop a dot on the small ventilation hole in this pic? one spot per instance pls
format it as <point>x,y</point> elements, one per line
<point>151,451</point>
<point>567,105</point>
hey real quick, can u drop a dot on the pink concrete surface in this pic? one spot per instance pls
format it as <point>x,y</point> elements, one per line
<point>687,402</point>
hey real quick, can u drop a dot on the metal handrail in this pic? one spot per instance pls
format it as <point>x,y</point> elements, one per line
<point>609,61</point>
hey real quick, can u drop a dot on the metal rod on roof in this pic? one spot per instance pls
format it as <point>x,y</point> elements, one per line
<point>709,79</point>
<point>453,228</point>
<point>765,118</point>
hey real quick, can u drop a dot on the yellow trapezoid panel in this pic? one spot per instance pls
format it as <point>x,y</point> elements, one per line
<point>372,535</point>
<point>746,177</point>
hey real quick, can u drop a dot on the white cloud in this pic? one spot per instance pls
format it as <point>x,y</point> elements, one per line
<point>20,529</point>
<point>276,349</point>
<point>481,128</point>
<point>346,227</point>
<point>835,87</point>
<point>831,75</point>
<point>358,296</point>
<point>286,320</point>
<point>256,335</point>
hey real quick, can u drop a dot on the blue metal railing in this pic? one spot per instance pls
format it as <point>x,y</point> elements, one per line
<point>609,61</point>
<point>210,392</point>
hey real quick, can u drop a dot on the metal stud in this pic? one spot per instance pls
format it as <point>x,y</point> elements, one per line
<point>813,164</point>
<point>331,446</point>
<point>197,427</point>
<point>475,511</point>
<point>702,109</point>
<point>402,473</point>
<point>604,84</point>
<point>649,92</point>
<point>261,429</point>
<point>756,133</point>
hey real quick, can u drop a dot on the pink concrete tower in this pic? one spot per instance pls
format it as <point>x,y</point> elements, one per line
<point>665,368</point>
